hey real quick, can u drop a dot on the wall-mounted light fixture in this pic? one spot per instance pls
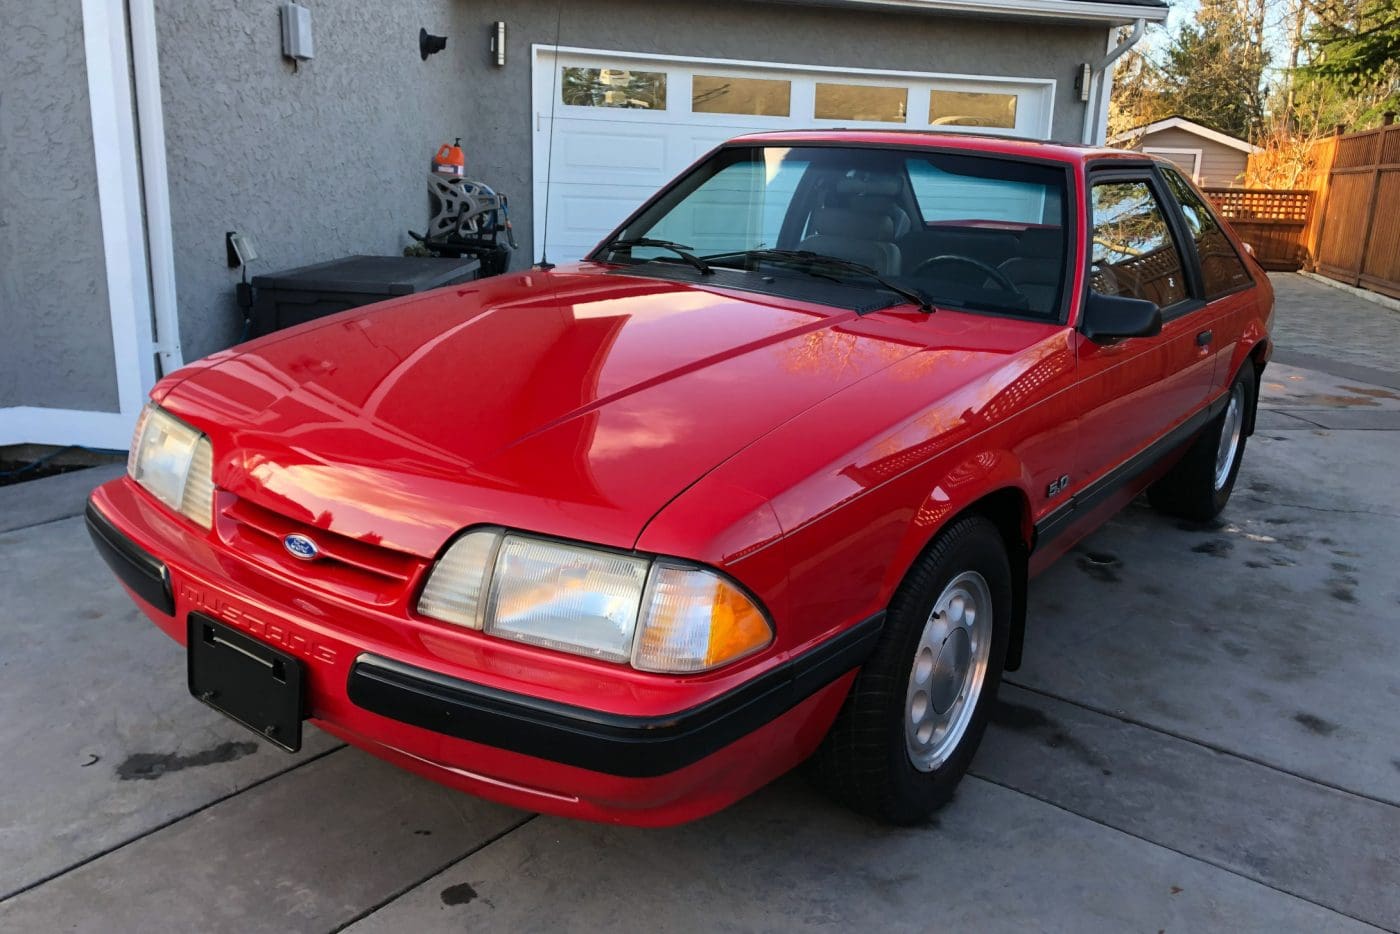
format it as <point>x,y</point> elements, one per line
<point>1083,80</point>
<point>296,32</point>
<point>429,44</point>
<point>498,44</point>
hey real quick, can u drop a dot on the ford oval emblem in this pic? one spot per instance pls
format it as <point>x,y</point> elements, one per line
<point>299,546</point>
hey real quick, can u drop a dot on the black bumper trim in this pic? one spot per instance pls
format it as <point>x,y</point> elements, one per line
<point>615,744</point>
<point>147,576</point>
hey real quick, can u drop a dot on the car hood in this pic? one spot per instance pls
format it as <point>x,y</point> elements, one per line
<point>575,403</point>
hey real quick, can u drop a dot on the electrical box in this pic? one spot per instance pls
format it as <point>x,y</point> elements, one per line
<point>296,32</point>
<point>241,250</point>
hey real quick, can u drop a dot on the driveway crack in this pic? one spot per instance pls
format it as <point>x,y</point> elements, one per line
<point>1191,856</point>
<point>93,857</point>
<point>404,890</point>
<point>1331,509</point>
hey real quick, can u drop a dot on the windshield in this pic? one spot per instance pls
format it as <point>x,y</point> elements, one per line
<point>968,231</point>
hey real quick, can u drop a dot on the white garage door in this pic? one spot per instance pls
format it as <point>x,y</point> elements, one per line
<point>624,125</point>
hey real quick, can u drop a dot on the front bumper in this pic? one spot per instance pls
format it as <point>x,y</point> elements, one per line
<point>420,698</point>
<point>634,747</point>
<point>142,573</point>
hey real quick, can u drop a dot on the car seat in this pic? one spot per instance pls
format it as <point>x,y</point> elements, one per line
<point>856,235</point>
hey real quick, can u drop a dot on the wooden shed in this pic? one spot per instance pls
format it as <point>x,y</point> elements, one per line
<point>1212,159</point>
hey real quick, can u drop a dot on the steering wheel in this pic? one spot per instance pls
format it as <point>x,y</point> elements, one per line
<point>993,273</point>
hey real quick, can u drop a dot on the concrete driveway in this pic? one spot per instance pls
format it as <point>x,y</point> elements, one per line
<point>1204,737</point>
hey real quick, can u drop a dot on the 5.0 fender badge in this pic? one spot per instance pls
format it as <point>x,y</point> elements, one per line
<point>1057,487</point>
<point>302,547</point>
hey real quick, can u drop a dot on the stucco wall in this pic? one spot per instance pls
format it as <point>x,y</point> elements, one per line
<point>55,331</point>
<point>314,163</point>
<point>1221,166</point>
<point>330,160</point>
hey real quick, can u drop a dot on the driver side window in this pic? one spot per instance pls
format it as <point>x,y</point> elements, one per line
<point>1133,252</point>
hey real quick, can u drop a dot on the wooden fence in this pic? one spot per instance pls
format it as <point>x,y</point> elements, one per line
<point>1274,223</point>
<point>1358,230</point>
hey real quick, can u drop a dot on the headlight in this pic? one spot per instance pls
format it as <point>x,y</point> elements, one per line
<point>174,463</point>
<point>659,615</point>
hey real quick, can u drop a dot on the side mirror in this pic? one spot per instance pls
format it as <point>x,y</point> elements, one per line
<point>1110,317</point>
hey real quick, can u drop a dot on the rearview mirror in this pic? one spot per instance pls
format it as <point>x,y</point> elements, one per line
<point>1109,317</point>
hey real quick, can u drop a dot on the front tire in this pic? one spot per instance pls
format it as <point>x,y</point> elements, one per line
<point>920,705</point>
<point>1199,486</point>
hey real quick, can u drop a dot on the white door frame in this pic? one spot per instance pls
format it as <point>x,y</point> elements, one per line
<point>1195,155</point>
<point>544,97</point>
<point>130,226</point>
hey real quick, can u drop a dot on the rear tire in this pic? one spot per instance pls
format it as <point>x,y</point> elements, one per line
<point>1199,486</point>
<point>920,705</point>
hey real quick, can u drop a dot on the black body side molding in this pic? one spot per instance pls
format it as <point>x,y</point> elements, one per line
<point>1056,522</point>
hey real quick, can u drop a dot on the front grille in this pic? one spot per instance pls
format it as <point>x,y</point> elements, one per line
<point>347,566</point>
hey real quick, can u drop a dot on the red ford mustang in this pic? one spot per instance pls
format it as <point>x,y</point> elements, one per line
<point>760,481</point>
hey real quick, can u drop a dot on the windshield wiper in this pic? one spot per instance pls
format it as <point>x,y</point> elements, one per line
<point>809,262</point>
<point>680,249</point>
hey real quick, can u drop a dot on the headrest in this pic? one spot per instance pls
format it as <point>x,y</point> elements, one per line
<point>857,225</point>
<point>879,204</point>
<point>869,183</point>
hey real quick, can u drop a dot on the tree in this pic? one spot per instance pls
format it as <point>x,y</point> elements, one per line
<point>1354,47</point>
<point>1288,158</point>
<point>1358,43</point>
<point>1138,94</point>
<point>1214,67</point>
<point>1338,65</point>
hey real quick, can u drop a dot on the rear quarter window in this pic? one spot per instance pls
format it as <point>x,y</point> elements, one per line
<point>1222,270</point>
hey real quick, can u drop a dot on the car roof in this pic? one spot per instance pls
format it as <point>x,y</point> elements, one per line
<point>948,140</point>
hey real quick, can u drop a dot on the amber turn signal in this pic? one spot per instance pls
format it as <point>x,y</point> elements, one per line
<point>695,620</point>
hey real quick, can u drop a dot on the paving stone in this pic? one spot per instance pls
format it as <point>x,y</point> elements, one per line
<point>1329,325</point>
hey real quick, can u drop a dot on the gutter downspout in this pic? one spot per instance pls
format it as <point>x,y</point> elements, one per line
<point>150,133</point>
<point>1097,73</point>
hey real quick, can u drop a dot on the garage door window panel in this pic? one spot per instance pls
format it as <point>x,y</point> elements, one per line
<point>725,94</point>
<point>1221,268</point>
<point>613,87</point>
<point>864,102</point>
<point>1134,254</point>
<point>972,108</point>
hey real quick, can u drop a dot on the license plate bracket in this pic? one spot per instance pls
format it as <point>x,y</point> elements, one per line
<point>246,680</point>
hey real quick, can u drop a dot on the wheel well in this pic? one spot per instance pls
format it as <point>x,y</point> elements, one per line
<point>1009,511</point>
<point>1258,358</point>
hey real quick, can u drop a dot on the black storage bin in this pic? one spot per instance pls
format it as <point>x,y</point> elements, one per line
<point>294,296</point>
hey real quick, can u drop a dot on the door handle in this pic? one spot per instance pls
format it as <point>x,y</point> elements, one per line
<point>1204,338</point>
